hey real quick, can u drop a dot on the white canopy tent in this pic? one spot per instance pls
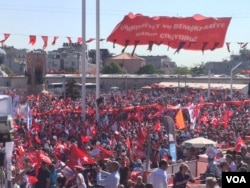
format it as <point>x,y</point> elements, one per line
<point>199,142</point>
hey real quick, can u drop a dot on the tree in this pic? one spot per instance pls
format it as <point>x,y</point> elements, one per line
<point>112,68</point>
<point>197,70</point>
<point>147,69</point>
<point>70,89</point>
<point>182,70</point>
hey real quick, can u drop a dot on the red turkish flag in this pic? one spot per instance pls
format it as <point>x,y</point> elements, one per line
<point>45,41</point>
<point>85,138</point>
<point>32,40</point>
<point>54,40</point>
<point>141,137</point>
<point>239,144</point>
<point>226,117</point>
<point>77,156</point>
<point>102,152</point>
<point>128,144</point>
<point>157,126</point>
<point>31,179</point>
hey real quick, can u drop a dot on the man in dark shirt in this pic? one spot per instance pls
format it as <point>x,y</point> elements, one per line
<point>124,173</point>
<point>43,176</point>
<point>182,177</point>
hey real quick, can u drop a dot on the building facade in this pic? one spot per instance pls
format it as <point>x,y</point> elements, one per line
<point>15,59</point>
<point>66,59</point>
<point>226,66</point>
<point>130,64</point>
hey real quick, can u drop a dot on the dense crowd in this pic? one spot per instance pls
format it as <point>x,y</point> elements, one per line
<point>55,148</point>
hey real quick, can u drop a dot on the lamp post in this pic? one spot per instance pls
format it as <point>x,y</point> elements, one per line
<point>231,79</point>
<point>83,60</point>
<point>97,57</point>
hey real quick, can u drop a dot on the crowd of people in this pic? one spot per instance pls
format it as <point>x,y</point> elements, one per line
<point>55,148</point>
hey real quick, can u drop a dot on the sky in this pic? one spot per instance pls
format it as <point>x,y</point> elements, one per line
<point>63,18</point>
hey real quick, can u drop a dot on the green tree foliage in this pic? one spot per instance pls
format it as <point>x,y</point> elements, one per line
<point>70,89</point>
<point>112,68</point>
<point>147,69</point>
<point>197,70</point>
<point>182,70</point>
<point>8,70</point>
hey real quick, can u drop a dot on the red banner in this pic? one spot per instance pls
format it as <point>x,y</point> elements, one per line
<point>190,33</point>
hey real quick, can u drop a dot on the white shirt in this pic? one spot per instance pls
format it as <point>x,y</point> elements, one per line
<point>111,181</point>
<point>158,178</point>
<point>80,182</point>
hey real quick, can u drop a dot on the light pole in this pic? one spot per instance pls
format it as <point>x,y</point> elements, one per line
<point>97,57</point>
<point>83,60</point>
<point>231,79</point>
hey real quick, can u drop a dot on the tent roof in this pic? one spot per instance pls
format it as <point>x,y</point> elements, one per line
<point>126,56</point>
<point>202,85</point>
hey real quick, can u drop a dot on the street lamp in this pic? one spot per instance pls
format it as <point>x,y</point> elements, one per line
<point>231,79</point>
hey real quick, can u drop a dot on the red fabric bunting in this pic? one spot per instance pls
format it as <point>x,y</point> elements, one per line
<point>45,41</point>
<point>79,40</point>
<point>69,39</point>
<point>90,40</point>
<point>54,40</point>
<point>32,40</point>
<point>6,36</point>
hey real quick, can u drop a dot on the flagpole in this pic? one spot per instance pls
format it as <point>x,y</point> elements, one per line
<point>97,56</point>
<point>83,59</point>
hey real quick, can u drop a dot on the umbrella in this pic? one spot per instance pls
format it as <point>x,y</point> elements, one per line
<point>199,142</point>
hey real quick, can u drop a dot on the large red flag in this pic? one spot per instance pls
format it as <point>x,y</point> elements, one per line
<point>239,144</point>
<point>226,117</point>
<point>102,152</point>
<point>77,156</point>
